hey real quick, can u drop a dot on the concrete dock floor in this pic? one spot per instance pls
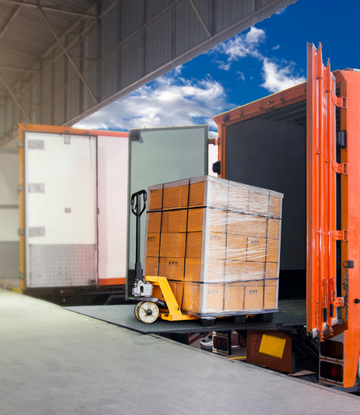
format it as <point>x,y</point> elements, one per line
<point>53,361</point>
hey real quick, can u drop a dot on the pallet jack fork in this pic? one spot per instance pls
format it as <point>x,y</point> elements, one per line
<point>147,310</point>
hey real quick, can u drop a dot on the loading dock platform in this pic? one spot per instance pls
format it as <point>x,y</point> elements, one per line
<point>291,315</point>
<point>59,362</point>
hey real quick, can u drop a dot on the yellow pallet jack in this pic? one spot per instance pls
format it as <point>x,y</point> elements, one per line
<point>154,292</point>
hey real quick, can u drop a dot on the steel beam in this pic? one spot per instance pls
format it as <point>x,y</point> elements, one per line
<point>70,45</point>
<point>203,24</point>
<point>10,68</point>
<point>150,76</point>
<point>15,99</point>
<point>49,8</point>
<point>83,58</point>
<point>7,24</point>
<point>67,54</point>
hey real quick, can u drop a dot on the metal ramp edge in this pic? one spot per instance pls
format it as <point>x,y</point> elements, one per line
<point>123,315</point>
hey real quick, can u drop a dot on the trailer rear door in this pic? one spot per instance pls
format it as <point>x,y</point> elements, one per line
<point>60,173</point>
<point>322,168</point>
<point>161,155</point>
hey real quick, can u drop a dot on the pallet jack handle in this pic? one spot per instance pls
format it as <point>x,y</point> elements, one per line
<point>138,211</point>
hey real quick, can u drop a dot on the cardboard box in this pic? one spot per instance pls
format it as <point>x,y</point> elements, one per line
<point>234,297</point>
<point>220,243</point>
<point>248,225</point>
<point>271,292</point>
<point>197,194</point>
<point>154,222</point>
<point>194,245</point>
<point>195,220</point>
<point>191,298</point>
<point>254,295</point>
<point>176,197</point>
<point>193,270</point>
<point>173,221</point>
<point>151,267</point>
<point>172,245</point>
<point>173,268</point>
<point>155,198</point>
<point>152,244</point>
<point>177,289</point>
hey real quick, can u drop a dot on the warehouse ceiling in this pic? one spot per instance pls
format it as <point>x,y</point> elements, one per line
<point>62,60</point>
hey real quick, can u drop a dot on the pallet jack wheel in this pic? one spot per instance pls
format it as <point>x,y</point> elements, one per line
<point>148,312</point>
<point>137,308</point>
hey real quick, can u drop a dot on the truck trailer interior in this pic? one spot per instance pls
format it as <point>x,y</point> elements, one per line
<point>271,153</point>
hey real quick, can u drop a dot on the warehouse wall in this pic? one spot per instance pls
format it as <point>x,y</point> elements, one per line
<point>9,216</point>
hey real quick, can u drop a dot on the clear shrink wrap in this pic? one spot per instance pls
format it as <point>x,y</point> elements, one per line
<point>218,244</point>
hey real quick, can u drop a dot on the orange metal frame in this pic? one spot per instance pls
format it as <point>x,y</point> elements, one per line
<point>55,130</point>
<point>321,197</point>
<point>322,168</point>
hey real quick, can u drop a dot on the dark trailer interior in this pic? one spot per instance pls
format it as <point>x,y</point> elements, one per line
<point>269,151</point>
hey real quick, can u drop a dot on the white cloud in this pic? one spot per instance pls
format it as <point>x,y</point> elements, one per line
<point>281,11</point>
<point>170,100</point>
<point>223,65</point>
<point>241,76</point>
<point>241,46</point>
<point>254,36</point>
<point>279,77</point>
<point>276,77</point>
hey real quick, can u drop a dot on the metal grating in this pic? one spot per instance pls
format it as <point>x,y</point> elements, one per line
<point>123,315</point>
<point>62,265</point>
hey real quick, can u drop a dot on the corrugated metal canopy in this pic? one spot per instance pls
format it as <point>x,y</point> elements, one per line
<point>61,60</point>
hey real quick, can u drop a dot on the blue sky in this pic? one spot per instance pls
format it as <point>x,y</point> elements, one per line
<point>264,59</point>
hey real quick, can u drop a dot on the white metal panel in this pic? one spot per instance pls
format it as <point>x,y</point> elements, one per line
<point>68,173</point>
<point>60,210</point>
<point>113,206</point>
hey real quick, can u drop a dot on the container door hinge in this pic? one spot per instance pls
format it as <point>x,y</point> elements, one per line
<point>20,144</point>
<point>339,235</point>
<point>340,168</point>
<point>21,275</point>
<point>338,101</point>
<point>341,138</point>
<point>20,188</point>
<point>338,302</point>
<point>214,141</point>
<point>21,232</point>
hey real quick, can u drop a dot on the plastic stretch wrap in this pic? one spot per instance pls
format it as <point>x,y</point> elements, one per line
<point>218,244</point>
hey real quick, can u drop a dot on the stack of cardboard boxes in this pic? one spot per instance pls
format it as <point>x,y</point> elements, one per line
<point>218,244</point>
